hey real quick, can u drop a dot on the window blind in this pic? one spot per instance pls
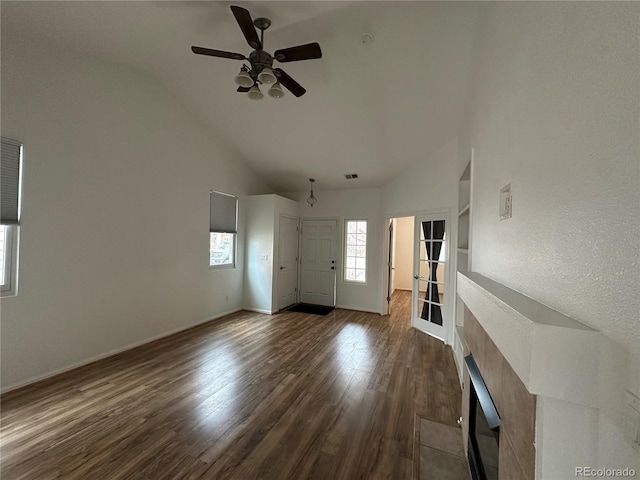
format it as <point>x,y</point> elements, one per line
<point>223,214</point>
<point>10,152</point>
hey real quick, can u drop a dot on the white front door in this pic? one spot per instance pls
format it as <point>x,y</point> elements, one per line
<point>287,262</point>
<point>429,309</point>
<point>318,262</point>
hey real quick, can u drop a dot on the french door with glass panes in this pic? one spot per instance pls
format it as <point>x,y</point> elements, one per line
<point>429,309</point>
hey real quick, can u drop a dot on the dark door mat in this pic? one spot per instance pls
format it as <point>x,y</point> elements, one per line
<point>312,309</point>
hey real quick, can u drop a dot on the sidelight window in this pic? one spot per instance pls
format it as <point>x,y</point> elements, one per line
<point>355,263</point>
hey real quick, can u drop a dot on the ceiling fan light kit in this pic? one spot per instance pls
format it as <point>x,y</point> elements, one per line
<point>260,69</point>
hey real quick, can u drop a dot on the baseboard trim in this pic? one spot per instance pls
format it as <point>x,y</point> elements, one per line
<point>259,310</point>
<point>110,353</point>
<point>357,309</point>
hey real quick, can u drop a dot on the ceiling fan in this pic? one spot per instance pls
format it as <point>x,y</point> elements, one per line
<point>260,69</point>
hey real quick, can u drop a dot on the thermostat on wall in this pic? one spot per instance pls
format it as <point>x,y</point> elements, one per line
<point>505,202</point>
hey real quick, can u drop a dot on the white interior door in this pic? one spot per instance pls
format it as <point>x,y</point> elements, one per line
<point>429,309</point>
<point>287,262</point>
<point>318,262</point>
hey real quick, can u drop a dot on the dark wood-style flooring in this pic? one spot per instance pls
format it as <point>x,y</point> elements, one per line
<point>249,396</point>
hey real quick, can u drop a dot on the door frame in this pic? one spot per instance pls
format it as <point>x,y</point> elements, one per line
<point>276,263</point>
<point>450,283</point>
<point>390,267</point>
<point>339,234</point>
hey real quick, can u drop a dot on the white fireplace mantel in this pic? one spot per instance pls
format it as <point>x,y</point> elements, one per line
<point>554,355</point>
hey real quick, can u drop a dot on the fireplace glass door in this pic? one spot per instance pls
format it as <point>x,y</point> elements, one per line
<point>484,427</point>
<point>483,443</point>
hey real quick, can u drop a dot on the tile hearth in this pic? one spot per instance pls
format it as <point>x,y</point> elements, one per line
<point>441,452</point>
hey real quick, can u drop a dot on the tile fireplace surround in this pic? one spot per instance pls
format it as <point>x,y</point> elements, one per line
<point>538,365</point>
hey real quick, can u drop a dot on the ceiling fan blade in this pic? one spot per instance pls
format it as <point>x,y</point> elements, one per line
<point>217,53</point>
<point>243,89</point>
<point>243,17</point>
<point>289,83</point>
<point>301,52</point>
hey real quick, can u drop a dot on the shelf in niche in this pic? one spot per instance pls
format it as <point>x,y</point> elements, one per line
<point>463,250</point>
<point>465,210</point>
<point>466,175</point>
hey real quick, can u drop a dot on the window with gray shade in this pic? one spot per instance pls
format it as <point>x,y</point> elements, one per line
<point>11,153</point>
<point>223,227</point>
<point>223,216</point>
<point>10,171</point>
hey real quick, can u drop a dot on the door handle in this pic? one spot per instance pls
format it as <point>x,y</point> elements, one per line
<point>281,268</point>
<point>333,268</point>
<point>418,277</point>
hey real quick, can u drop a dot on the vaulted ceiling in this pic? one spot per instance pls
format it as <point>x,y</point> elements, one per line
<point>372,109</point>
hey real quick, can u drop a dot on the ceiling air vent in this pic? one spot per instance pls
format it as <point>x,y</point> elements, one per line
<point>350,176</point>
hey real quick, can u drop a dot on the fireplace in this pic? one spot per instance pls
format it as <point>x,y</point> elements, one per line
<point>541,368</point>
<point>484,427</point>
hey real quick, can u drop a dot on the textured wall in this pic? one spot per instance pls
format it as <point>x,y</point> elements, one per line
<point>553,109</point>
<point>429,184</point>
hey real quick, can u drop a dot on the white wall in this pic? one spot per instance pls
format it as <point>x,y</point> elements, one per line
<point>553,109</point>
<point>403,250</point>
<point>114,234</point>
<point>358,204</point>
<point>258,278</point>
<point>430,184</point>
<point>262,234</point>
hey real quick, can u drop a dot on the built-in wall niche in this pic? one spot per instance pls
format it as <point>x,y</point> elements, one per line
<point>463,253</point>
<point>464,217</point>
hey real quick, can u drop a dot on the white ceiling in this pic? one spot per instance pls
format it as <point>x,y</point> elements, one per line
<point>369,109</point>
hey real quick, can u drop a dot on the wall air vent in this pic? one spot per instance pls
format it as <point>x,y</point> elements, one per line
<point>350,176</point>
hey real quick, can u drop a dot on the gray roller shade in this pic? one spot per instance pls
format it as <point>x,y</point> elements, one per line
<point>10,151</point>
<point>223,216</point>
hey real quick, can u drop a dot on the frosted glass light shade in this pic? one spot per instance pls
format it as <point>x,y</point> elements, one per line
<point>244,79</point>
<point>255,93</point>
<point>267,77</point>
<point>276,91</point>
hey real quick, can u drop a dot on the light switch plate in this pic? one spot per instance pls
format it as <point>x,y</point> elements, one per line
<point>264,257</point>
<point>505,202</point>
